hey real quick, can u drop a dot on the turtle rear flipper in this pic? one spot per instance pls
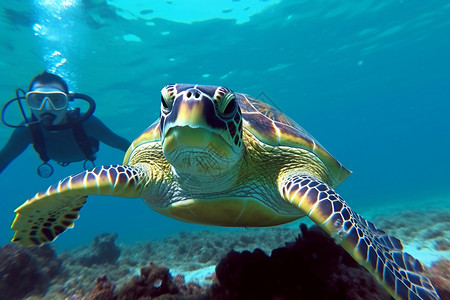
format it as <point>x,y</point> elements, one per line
<point>42,218</point>
<point>381,254</point>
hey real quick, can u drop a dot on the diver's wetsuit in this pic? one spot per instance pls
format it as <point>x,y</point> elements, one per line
<point>60,145</point>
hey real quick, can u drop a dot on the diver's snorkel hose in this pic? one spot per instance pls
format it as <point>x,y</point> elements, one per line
<point>18,99</point>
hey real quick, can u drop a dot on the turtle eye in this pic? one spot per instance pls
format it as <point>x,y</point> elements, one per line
<point>163,102</point>
<point>227,106</point>
<point>229,109</point>
<point>167,99</point>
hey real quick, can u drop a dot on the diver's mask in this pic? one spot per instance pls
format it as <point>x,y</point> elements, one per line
<point>55,100</point>
<point>48,105</point>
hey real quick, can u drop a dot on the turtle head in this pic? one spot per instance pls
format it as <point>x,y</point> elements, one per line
<point>201,129</point>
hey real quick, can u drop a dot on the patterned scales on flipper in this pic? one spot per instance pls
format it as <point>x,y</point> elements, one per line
<point>42,218</point>
<point>378,252</point>
<point>46,219</point>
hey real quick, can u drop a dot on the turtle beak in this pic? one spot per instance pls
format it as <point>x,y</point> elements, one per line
<point>193,123</point>
<point>194,109</point>
<point>191,113</point>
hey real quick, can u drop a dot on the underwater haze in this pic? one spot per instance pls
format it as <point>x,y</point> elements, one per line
<point>370,80</point>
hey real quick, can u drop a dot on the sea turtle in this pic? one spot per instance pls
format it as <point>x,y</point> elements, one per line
<point>221,158</point>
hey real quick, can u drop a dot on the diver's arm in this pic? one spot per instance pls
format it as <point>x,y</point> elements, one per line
<point>17,143</point>
<point>95,128</point>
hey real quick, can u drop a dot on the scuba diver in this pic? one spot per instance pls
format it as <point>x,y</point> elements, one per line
<point>56,131</point>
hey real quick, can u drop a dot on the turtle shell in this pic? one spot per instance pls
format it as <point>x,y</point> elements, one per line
<point>272,127</point>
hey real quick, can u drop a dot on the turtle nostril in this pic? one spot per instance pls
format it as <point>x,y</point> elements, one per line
<point>193,93</point>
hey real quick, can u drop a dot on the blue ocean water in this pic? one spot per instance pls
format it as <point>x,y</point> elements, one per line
<point>369,80</point>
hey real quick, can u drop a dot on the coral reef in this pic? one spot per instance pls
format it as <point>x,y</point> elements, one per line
<point>102,251</point>
<point>313,267</point>
<point>26,271</point>
<point>187,289</point>
<point>84,265</point>
<point>419,227</point>
<point>439,274</point>
<point>188,251</point>
<point>103,290</point>
<point>153,281</point>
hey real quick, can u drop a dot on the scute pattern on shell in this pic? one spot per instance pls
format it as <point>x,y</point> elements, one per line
<point>252,105</point>
<point>274,128</point>
<point>274,124</point>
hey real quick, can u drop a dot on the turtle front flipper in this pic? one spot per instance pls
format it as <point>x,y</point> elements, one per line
<point>381,254</point>
<point>42,218</point>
